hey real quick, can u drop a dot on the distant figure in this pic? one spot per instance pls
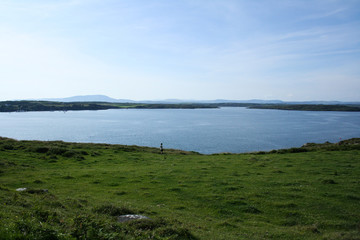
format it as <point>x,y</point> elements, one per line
<point>161,148</point>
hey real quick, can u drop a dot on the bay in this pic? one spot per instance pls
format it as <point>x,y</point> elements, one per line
<point>231,129</point>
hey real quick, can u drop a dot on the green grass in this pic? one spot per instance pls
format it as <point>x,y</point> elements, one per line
<point>304,193</point>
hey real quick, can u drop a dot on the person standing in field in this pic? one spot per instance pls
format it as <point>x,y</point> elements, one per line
<point>161,148</point>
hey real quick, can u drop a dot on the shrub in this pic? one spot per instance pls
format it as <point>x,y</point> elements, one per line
<point>69,153</point>
<point>146,224</point>
<point>32,229</point>
<point>252,209</point>
<point>112,210</point>
<point>41,149</point>
<point>179,233</point>
<point>56,151</point>
<point>8,147</point>
<point>38,182</point>
<point>328,181</point>
<point>297,150</point>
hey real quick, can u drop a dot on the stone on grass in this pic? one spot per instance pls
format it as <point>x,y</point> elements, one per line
<point>129,217</point>
<point>32,191</point>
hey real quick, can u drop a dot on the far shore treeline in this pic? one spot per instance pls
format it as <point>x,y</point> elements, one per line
<point>27,106</point>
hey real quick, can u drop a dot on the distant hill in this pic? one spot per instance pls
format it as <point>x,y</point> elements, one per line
<point>104,98</point>
<point>88,98</point>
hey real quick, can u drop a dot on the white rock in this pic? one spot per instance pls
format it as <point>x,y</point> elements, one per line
<point>129,217</point>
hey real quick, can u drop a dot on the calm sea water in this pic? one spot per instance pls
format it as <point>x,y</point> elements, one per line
<point>203,130</point>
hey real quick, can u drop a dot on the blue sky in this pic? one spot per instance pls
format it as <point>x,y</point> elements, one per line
<point>291,50</point>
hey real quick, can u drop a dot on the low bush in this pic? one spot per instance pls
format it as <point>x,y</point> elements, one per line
<point>41,149</point>
<point>112,210</point>
<point>56,151</point>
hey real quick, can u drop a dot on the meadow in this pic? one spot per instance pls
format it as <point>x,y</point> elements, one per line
<point>78,190</point>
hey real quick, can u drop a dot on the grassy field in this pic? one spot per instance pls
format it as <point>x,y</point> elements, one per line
<point>311,192</point>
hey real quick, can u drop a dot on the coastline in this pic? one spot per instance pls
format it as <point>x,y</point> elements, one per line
<point>31,106</point>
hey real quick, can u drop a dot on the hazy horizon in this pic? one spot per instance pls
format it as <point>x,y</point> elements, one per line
<point>102,97</point>
<point>289,50</point>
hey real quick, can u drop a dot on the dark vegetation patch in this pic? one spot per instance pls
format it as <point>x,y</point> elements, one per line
<point>251,209</point>
<point>286,205</point>
<point>113,184</point>
<point>175,233</point>
<point>112,210</point>
<point>86,175</point>
<point>120,193</point>
<point>38,181</point>
<point>180,208</point>
<point>146,224</point>
<point>328,181</point>
<point>41,149</point>
<point>68,177</point>
<point>231,188</point>
<point>54,152</point>
<point>175,189</point>
<point>352,197</point>
<point>227,224</point>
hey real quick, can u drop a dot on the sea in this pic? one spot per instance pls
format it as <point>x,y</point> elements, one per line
<point>207,131</point>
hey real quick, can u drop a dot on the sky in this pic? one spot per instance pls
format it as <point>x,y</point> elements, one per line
<point>291,50</point>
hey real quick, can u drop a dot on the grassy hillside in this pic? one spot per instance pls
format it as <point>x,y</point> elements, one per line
<point>76,191</point>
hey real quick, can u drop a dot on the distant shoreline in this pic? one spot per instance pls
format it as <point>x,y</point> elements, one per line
<point>47,106</point>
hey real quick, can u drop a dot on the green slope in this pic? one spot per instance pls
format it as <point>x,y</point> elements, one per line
<point>304,193</point>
